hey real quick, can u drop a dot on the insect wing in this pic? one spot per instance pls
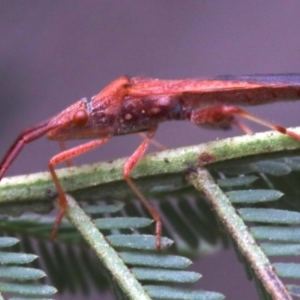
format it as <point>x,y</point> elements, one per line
<point>270,79</point>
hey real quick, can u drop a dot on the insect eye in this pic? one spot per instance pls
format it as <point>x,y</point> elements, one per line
<point>80,117</point>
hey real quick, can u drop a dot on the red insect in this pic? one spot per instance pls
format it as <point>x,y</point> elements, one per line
<point>132,105</point>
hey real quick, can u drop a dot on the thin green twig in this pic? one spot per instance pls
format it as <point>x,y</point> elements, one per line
<point>240,233</point>
<point>107,255</point>
<point>98,175</point>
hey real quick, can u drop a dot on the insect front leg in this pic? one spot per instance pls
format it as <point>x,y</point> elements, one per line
<point>63,157</point>
<point>128,167</point>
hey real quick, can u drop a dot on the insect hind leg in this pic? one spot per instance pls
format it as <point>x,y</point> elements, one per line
<point>223,117</point>
<point>216,118</point>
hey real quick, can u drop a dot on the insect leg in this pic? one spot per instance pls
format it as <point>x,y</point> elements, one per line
<point>129,165</point>
<point>155,143</point>
<point>212,117</point>
<point>62,157</point>
<point>63,147</point>
<point>223,117</point>
<point>242,126</point>
<point>238,111</point>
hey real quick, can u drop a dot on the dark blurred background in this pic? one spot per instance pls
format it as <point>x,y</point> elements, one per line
<point>55,52</point>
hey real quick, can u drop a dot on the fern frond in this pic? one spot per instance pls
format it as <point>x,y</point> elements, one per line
<point>20,280</point>
<point>186,215</point>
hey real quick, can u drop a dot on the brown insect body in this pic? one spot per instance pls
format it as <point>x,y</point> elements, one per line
<point>117,112</point>
<point>130,105</point>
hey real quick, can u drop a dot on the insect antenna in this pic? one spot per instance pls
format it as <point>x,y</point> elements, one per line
<point>28,135</point>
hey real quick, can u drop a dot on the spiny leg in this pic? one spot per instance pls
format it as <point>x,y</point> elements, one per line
<point>63,157</point>
<point>128,167</point>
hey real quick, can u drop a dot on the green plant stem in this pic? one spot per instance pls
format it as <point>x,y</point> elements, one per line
<point>35,186</point>
<point>107,255</point>
<point>240,233</point>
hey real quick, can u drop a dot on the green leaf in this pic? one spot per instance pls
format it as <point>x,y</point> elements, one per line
<point>28,289</point>
<point>122,222</point>
<point>103,209</point>
<point>8,241</point>
<point>267,215</point>
<point>166,292</point>
<point>16,258</point>
<point>138,241</point>
<point>253,196</point>
<point>294,289</point>
<point>165,275</point>
<point>21,273</point>
<point>272,233</point>
<point>155,260</point>
<point>289,270</point>
<point>236,181</point>
<point>280,249</point>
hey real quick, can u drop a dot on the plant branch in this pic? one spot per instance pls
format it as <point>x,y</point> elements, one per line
<point>237,229</point>
<point>107,255</point>
<point>109,174</point>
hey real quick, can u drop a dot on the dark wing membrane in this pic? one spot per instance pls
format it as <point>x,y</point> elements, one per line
<point>292,79</point>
